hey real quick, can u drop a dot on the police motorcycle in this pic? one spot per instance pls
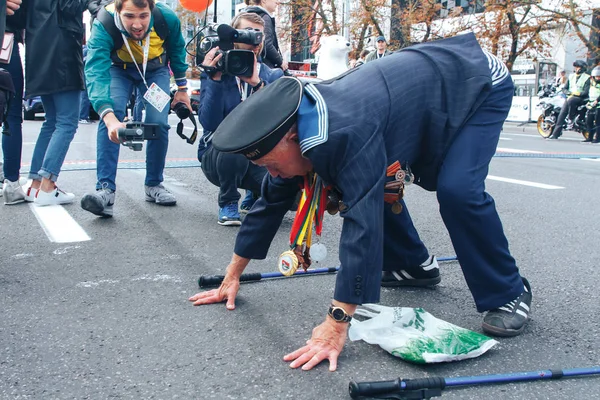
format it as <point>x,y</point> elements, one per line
<point>552,102</point>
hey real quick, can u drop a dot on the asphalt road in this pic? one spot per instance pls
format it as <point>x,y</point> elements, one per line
<point>109,317</point>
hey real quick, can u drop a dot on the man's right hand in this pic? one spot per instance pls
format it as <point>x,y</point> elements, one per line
<point>113,125</point>
<point>229,287</point>
<point>210,60</point>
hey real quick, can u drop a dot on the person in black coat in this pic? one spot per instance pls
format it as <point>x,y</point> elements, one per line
<point>271,55</point>
<point>54,65</point>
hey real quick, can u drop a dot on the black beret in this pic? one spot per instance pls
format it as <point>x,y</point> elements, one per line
<point>256,125</point>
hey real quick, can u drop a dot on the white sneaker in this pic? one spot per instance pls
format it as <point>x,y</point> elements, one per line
<point>30,194</point>
<point>12,192</point>
<point>55,197</point>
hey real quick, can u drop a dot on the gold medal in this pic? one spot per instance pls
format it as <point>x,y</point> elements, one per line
<point>396,208</point>
<point>287,263</point>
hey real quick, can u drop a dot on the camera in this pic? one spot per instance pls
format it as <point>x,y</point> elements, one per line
<point>135,133</point>
<point>181,110</point>
<point>233,61</point>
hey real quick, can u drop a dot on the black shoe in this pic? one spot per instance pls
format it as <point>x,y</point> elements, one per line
<point>426,274</point>
<point>511,318</point>
<point>554,137</point>
<point>588,140</point>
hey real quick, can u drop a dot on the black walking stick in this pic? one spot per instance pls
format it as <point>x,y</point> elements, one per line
<point>215,280</point>
<point>426,388</point>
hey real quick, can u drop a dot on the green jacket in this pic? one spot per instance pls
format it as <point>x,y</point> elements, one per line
<point>101,48</point>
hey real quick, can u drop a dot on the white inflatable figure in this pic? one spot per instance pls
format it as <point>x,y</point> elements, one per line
<point>333,55</point>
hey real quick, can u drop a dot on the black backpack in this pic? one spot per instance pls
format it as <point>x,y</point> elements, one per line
<point>7,91</point>
<point>107,20</point>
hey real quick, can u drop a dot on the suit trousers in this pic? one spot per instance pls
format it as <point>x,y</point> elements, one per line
<point>468,212</point>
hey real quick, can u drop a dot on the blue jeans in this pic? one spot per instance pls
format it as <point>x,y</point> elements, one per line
<point>12,144</point>
<point>138,106</point>
<point>62,115</point>
<point>84,108</point>
<point>122,83</point>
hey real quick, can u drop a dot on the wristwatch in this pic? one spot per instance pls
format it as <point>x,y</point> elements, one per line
<point>339,314</point>
<point>260,84</point>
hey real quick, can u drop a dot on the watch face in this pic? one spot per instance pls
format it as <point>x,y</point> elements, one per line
<point>338,314</point>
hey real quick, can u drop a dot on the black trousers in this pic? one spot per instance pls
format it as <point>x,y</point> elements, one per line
<point>592,122</point>
<point>570,107</point>
<point>231,172</point>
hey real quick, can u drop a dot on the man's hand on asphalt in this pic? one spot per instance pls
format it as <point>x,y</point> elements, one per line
<point>226,292</point>
<point>113,125</point>
<point>326,343</point>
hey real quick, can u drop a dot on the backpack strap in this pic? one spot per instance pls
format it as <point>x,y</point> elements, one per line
<point>108,22</point>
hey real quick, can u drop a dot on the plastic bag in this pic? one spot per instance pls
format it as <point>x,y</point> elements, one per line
<point>416,336</point>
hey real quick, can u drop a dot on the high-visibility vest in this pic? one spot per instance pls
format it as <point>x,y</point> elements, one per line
<point>594,92</point>
<point>576,83</point>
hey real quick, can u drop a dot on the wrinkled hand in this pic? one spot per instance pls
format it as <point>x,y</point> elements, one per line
<point>12,6</point>
<point>227,291</point>
<point>327,342</point>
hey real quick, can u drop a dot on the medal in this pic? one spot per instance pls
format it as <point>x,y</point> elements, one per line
<point>318,252</point>
<point>288,263</point>
<point>310,212</point>
<point>396,208</point>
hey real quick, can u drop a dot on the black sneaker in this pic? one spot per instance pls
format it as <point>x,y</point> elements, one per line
<point>426,274</point>
<point>99,203</point>
<point>511,318</point>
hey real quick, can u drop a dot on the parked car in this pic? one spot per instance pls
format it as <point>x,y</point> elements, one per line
<point>34,106</point>
<point>194,93</point>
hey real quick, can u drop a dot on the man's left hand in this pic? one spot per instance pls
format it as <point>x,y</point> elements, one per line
<point>181,97</point>
<point>327,342</point>
<point>12,6</point>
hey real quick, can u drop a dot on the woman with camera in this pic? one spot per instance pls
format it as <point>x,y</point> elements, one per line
<point>220,94</point>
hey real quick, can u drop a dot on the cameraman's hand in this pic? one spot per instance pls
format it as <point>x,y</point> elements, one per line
<point>113,125</point>
<point>210,60</point>
<point>284,65</point>
<point>182,97</point>
<point>254,79</point>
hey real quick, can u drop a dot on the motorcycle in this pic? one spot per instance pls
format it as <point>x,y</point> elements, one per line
<point>551,105</point>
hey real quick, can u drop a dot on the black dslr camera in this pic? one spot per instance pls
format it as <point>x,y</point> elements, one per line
<point>136,132</point>
<point>234,61</point>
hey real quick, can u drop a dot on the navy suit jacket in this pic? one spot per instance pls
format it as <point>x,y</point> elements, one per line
<point>406,107</point>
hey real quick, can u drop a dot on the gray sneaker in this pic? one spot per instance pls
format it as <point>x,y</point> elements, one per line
<point>99,203</point>
<point>13,192</point>
<point>160,195</point>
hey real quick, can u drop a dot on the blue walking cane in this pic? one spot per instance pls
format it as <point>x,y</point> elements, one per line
<point>215,280</point>
<point>426,388</point>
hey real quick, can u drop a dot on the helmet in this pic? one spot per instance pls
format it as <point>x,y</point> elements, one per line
<point>596,72</point>
<point>580,63</point>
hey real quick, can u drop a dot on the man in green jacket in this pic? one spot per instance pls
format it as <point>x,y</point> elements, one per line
<point>132,45</point>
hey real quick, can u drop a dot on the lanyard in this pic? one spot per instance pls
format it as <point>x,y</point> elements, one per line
<point>145,61</point>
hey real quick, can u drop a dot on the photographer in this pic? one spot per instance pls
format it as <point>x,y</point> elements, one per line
<point>220,94</point>
<point>131,45</point>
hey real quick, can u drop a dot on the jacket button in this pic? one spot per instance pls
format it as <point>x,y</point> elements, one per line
<point>358,278</point>
<point>357,292</point>
<point>358,286</point>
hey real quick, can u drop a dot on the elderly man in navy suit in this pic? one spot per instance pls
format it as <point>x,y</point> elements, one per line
<point>432,114</point>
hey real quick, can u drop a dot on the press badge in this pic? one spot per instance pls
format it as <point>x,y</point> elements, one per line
<point>157,97</point>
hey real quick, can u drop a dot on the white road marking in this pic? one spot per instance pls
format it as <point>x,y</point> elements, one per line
<point>525,183</point>
<point>505,138</point>
<point>591,159</point>
<point>59,226</point>
<point>507,150</point>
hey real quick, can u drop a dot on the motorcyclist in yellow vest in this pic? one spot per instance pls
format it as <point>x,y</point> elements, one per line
<point>577,88</point>
<point>592,120</point>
